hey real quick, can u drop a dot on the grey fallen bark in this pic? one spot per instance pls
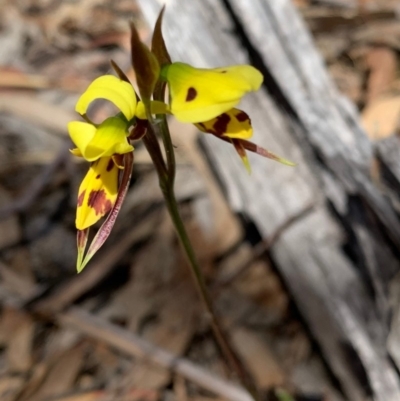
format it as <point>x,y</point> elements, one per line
<point>342,295</point>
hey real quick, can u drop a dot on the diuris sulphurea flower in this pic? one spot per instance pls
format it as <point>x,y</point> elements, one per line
<point>206,97</point>
<point>106,146</point>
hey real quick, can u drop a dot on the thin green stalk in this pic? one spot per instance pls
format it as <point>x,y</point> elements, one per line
<point>167,187</point>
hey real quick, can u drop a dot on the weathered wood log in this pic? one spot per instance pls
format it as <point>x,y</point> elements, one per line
<point>337,259</point>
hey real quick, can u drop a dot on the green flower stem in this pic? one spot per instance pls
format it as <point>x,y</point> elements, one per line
<point>160,127</point>
<point>167,187</point>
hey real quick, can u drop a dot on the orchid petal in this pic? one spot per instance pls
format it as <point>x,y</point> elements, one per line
<point>202,94</point>
<point>111,88</point>
<point>110,138</point>
<point>107,139</point>
<point>97,193</point>
<point>234,123</point>
<point>81,134</point>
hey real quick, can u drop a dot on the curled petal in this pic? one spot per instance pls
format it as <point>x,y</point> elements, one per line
<point>108,224</point>
<point>233,124</point>
<point>111,88</point>
<point>201,94</point>
<point>109,138</point>
<point>97,193</point>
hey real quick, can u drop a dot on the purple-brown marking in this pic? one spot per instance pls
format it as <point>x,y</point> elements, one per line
<point>99,202</point>
<point>221,125</point>
<point>80,198</point>
<point>98,176</point>
<point>242,116</point>
<point>191,94</point>
<point>110,165</point>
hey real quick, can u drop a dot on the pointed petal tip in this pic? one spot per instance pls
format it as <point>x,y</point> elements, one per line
<point>286,162</point>
<point>247,165</point>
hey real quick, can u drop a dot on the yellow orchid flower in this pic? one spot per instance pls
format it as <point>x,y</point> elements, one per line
<point>198,94</point>
<point>234,126</point>
<point>107,147</point>
<point>110,137</point>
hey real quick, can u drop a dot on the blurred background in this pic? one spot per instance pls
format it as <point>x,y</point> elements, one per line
<point>302,262</point>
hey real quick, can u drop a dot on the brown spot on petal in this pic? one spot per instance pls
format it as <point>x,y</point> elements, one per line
<point>110,165</point>
<point>191,94</point>
<point>80,197</point>
<point>99,202</point>
<point>242,116</point>
<point>223,71</point>
<point>98,176</point>
<point>221,125</point>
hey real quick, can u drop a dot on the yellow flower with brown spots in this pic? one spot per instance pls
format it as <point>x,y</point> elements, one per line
<point>206,97</point>
<point>106,146</point>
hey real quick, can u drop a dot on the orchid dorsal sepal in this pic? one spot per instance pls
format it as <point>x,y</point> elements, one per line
<point>110,88</point>
<point>199,94</point>
<point>105,229</point>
